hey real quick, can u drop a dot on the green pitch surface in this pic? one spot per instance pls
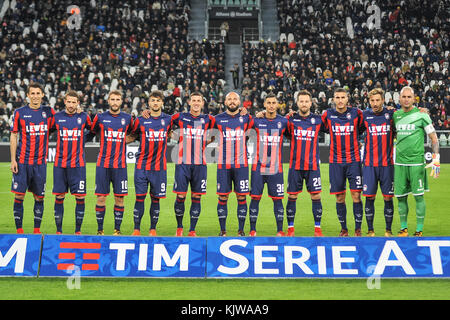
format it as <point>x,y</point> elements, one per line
<point>437,223</point>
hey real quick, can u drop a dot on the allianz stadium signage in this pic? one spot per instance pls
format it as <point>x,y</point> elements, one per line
<point>233,13</point>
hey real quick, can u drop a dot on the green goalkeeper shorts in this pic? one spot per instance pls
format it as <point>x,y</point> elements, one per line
<point>410,179</point>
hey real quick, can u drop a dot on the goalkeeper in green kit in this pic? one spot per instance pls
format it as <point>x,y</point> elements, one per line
<point>410,176</point>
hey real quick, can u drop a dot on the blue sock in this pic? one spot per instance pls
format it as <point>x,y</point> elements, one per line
<point>254,211</point>
<point>194,212</point>
<point>388,213</point>
<point>100,216</point>
<point>278,210</point>
<point>291,209</point>
<point>341,210</point>
<point>59,213</point>
<point>317,212</point>
<point>370,212</point>
<point>241,213</point>
<point>18,212</point>
<point>38,212</point>
<point>358,214</point>
<point>118,216</point>
<point>138,212</point>
<point>222,213</point>
<point>179,211</point>
<point>79,213</point>
<point>154,212</point>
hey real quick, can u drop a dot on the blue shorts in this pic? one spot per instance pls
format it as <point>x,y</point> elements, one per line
<point>341,172</point>
<point>105,176</point>
<point>311,178</point>
<point>275,184</point>
<point>156,179</point>
<point>373,175</point>
<point>193,174</point>
<point>73,179</point>
<point>31,177</point>
<point>234,176</point>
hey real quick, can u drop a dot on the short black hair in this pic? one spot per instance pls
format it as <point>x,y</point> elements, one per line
<point>35,85</point>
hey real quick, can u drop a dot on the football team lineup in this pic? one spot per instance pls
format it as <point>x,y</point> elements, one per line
<point>382,130</point>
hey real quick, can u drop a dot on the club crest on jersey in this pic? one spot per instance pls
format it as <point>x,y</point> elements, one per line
<point>313,121</point>
<point>279,125</point>
<point>163,122</point>
<point>349,116</point>
<point>386,115</point>
<point>44,115</point>
<point>122,121</point>
<point>79,121</point>
<point>241,120</point>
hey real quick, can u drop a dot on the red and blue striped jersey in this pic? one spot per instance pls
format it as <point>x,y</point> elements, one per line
<point>304,132</point>
<point>152,133</point>
<point>113,129</point>
<point>378,147</point>
<point>70,130</point>
<point>192,132</point>
<point>232,140</point>
<point>269,144</point>
<point>344,129</point>
<point>33,128</point>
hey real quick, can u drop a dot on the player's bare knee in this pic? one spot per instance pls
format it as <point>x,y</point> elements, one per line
<point>240,197</point>
<point>19,196</point>
<point>385,198</point>
<point>181,196</point>
<point>101,200</point>
<point>60,196</point>
<point>315,196</point>
<point>356,196</point>
<point>196,196</point>
<point>223,197</point>
<point>118,200</point>
<point>340,197</point>
<point>38,198</point>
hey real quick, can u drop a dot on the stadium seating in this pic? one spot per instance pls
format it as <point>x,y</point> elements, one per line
<point>321,42</point>
<point>147,42</point>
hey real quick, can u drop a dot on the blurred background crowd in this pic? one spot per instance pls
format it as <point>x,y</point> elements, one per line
<point>139,46</point>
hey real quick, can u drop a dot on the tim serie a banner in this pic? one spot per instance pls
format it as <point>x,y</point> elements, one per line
<point>223,257</point>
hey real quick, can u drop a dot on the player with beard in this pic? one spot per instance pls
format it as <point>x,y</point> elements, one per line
<point>304,165</point>
<point>152,130</point>
<point>344,124</point>
<point>69,172</point>
<point>113,126</point>
<point>232,167</point>
<point>378,163</point>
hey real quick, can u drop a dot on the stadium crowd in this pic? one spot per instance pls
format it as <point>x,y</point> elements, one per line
<point>134,46</point>
<point>316,51</point>
<point>139,46</point>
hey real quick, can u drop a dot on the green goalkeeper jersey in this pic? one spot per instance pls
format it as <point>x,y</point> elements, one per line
<point>411,128</point>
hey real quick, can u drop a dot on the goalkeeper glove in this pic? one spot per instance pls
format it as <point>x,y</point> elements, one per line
<point>435,165</point>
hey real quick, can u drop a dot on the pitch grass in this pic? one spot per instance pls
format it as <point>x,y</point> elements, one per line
<point>437,223</point>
